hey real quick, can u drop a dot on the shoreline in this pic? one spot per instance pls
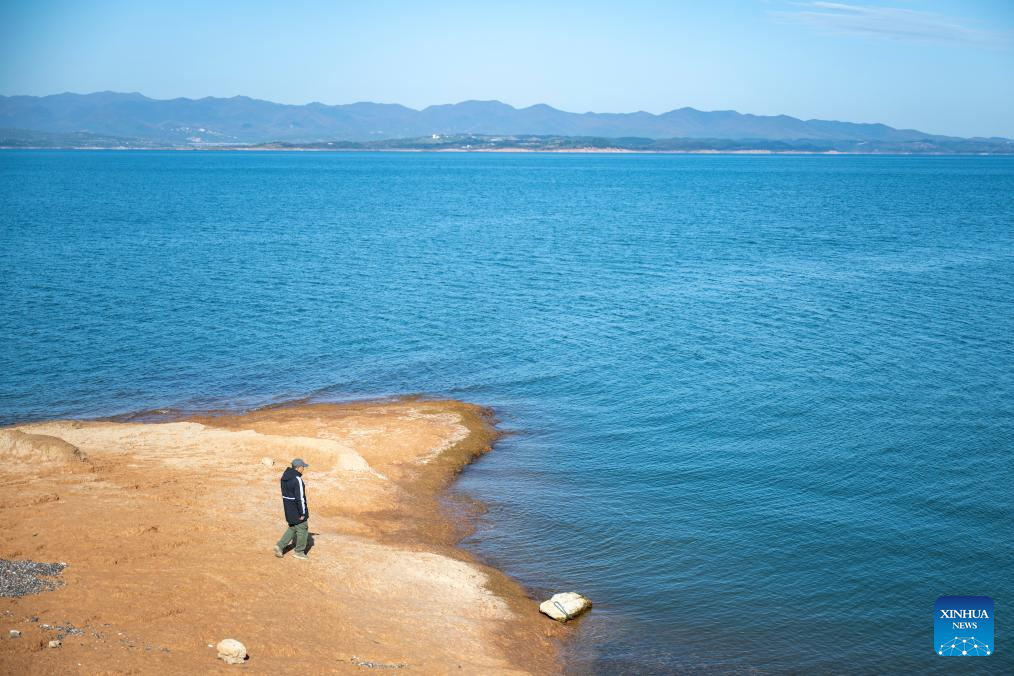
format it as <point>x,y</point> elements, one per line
<point>515,151</point>
<point>196,514</point>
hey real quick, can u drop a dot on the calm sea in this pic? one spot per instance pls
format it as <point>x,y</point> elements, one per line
<point>762,407</point>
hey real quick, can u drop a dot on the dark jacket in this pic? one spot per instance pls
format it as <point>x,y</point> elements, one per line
<point>294,497</point>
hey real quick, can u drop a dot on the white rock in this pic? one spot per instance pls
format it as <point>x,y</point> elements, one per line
<point>268,462</point>
<point>55,644</point>
<point>566,606</point>
<point>14,633</point>
<point>231,651</point>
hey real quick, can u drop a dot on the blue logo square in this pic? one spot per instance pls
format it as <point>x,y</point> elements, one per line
<point>963,626</point>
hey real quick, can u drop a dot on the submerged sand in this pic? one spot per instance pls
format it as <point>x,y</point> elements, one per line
<point>168,531</point>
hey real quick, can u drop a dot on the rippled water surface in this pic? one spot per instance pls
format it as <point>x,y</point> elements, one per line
<point>763,407</point>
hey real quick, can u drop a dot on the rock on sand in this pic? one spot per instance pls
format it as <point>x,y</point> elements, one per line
<point>231,651</point>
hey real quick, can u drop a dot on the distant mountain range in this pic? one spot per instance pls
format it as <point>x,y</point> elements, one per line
<point>109,119</point>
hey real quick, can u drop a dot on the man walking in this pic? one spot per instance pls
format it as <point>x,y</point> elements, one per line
<point>296,514</point>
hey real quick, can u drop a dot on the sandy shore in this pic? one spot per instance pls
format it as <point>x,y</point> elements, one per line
<point>168,531</point>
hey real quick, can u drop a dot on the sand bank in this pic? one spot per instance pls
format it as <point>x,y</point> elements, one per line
<point>168,531</point>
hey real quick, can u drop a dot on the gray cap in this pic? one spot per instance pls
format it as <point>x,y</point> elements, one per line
<point>298,462</point>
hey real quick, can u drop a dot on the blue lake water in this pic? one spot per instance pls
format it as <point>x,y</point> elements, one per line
<point>762,407</point>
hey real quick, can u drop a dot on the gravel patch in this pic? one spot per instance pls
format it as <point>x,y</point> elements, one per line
<point>63,630</point>
<point>21,578</point>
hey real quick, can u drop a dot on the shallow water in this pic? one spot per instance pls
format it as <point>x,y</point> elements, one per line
<point>763,406</point>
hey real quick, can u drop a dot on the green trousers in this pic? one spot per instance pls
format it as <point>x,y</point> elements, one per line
<point>300,531</point>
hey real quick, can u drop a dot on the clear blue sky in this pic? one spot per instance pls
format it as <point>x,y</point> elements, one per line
<point>942,67</point>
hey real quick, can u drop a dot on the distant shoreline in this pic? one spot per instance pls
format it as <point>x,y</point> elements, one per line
<point>555,151</point>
